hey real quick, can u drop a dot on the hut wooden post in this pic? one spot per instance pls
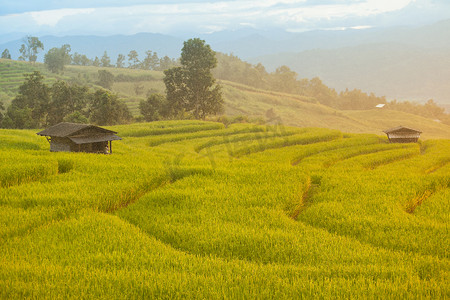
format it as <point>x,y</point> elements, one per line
<point>110,147</point>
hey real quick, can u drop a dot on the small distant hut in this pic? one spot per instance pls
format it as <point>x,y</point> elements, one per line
<point>72,137</point>
<point>402,134</point>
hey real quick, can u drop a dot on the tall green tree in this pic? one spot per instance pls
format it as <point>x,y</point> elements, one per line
<point>133,60</point>
<point>151,61</point>
<point>120,63</point>
<point>30,48</point>
<point>166,63</point>
<point>1,114</point>
<point>65,100</point>
<point>29,108</point>
<point>6,54</point>
<point>284,80</point>
<point>96,62</point>
<point>105,79</point>
<point>105,61</point>
<point>153,108</point>
<point>176,93</point>
<point>76,117</point>
<point>81,60</point>
<point>191,88</point>
<point>56,58</point>
<point>107,109</point>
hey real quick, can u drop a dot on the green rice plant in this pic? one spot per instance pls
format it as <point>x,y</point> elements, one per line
<point>143,131</point>
<point>311,213</point>
<point>15,174</point>
<point>307,136</point>
<point>231,130</point>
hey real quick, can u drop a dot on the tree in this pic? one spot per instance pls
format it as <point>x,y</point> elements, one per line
<point>432,110</point>
<point>30,48</point>
<point>105,61</point>
<point>1,108</point>
<point>166,63</point>
<point>65,100</point>
<point>175,92</point>
<point>151,61</point>
<point>29,108</point>
<point>107,109</point>
<point>153,108</point>
<point>284,80</point>
<point>17,117</point>
<point>105,79</point>
<point>120,61</point>
<point>57,58</point>
<point>191,88</point>
<point>81,60</point>
<point>6,54</point>
<point>96,62</point>
<point>76,117</point>
<point>133,60</point>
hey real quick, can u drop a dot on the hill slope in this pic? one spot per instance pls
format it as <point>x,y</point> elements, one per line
<point>302,112</point>
<point>292,110</point>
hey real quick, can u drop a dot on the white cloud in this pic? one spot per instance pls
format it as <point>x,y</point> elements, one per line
<point>168,17</point>
<point>52,17</point>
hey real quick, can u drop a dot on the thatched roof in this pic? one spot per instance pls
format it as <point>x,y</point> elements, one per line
<point>71,129</point>
<point>402,129</point>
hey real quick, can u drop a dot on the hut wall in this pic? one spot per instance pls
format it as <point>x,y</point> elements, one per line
<point>100,147</point>
<point>402,137</point>
<point>403,140</point>
<point>60,144</point>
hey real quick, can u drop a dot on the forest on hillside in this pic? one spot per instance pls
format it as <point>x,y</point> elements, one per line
<point>230,68</point>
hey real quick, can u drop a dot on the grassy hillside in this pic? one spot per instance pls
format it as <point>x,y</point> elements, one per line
<point>189,209</point>
<point>305,112</point>
<point>292,110</point>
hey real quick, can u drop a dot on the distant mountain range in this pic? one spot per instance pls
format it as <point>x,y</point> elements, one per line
<point>402,62</point>
<point>395,70</point>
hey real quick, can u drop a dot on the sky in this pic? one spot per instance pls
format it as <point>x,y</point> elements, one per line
<point>108,17</point>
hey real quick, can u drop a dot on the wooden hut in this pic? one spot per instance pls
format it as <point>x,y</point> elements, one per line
<point>72,137</point>
<point>402,134</point>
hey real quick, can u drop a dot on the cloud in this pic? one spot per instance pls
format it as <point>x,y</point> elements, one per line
<point>94,17</point>
<point>52,17</point>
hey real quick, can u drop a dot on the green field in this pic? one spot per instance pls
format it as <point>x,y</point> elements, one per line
<point>190,209</point>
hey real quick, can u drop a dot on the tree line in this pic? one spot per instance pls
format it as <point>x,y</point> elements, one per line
<point>39,105</point>
<point>56,58</point>
<point>283,79</point>
<point>151,61</point>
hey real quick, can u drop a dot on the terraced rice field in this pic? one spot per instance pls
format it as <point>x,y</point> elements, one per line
<point>189,209</point>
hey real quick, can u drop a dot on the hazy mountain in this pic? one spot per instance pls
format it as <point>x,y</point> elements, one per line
<point>248,43</point>
<point>394,70</point>
<point>401,62</point>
